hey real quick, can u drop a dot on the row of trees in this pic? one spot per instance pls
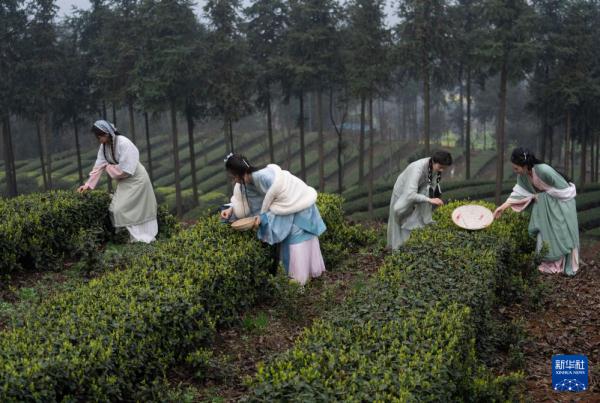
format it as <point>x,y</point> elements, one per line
<point>154,56</point>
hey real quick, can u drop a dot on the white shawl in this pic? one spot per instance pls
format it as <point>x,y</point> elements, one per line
<point>287,195</point>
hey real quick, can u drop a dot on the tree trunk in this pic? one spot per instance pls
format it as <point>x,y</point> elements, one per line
<point>226,134</point>
<point>461,100</point>
<point>382,122</point>
<point>230,125</point>
<point>572,156</point>
<point>190,129</point>
<point>361,147</point>
<point>340,144</point>
<point>302,150</point>
<point>288,143</point>
<point>592,158</point>
<point>583,167</point>
<point>9,159</point>
<point>131,121</point>
<point>551,144</point>
<point>567,156</point>
<point>426,112</point>
<point>484,136</point>
<point>597,164</point>
<point>47,148</point>
<point>544,136</point>
<point>175,140</point>
<point>371,146</point>
<point>468,129</point>
<point>321,140</point>
<point>500,132</point>
<point>42,161</point>
<point>270,130</point>
<point>78,149</point>
<point>114,114</point>
<point>148,147</point>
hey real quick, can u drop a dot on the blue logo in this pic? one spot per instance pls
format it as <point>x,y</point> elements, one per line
<point>569,373</point>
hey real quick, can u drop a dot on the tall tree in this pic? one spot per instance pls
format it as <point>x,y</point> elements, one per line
<point>508,49</point>
<point>166,59</point>
<point>369,68</point>
<point>311,54</point>
<point>230,73</point>
<point>467,29</point>
<point>76,101</point>
<point>424,43</point>
<point>266,28</point>
<point>13,21</point>
<point>45,78</point>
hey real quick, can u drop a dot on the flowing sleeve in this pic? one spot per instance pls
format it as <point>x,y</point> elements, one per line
<point>522,195</point>
<point>129,156</point>
<point>100,160</point>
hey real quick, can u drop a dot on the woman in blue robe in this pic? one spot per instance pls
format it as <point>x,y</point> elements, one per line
<point>286,214</point>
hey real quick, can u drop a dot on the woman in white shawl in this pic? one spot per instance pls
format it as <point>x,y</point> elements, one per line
<point>285,211</point>
<point>416,191</point>
<point>133,205</point>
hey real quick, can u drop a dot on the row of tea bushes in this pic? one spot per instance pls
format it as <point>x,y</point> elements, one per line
<point>115,336</point>
<point>39,230</point>
<point>419,330</point>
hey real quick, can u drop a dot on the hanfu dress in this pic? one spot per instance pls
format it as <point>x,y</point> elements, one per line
<point>294,223</point>
<point>133,204</point>
<point>409,206</point>
<point>553,219</point>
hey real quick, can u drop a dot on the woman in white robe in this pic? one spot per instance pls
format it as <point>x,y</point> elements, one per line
<point>416,191</point>
<point>133,204</point>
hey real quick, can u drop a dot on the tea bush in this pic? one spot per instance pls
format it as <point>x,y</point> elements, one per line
<point>340,237</point>
<point>39,230</point>
<point>418,331</point>
<point>114,338</point>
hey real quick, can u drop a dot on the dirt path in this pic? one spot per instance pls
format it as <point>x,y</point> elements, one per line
<point>568,324</point>
<point>268,330</point>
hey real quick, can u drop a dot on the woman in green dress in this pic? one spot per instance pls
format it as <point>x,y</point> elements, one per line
<point>551,198</point>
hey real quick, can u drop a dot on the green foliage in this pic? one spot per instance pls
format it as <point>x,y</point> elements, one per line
<point>114,337</point>
<point>39,231</point>
<point>340,237</point>
<point>257,323</point>
<point>414,332</point>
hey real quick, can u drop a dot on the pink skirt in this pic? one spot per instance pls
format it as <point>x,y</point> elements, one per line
<point>306,260</point>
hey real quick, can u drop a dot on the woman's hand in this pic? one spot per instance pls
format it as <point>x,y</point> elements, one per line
<point>226,214</point>
<point>436,202</point>
<point>83,188</point>
<point>256,222</point>
<point>498,212</point>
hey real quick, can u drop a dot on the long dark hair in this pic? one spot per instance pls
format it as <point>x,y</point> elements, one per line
<point>238,166</point>
<point>523,157</point>
<point>99,132</point>
<point>442,158</point>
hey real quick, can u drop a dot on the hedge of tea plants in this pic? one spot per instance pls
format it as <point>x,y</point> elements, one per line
<point>113,337</point>
<point>419,331</point>
<point>39,230</point>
